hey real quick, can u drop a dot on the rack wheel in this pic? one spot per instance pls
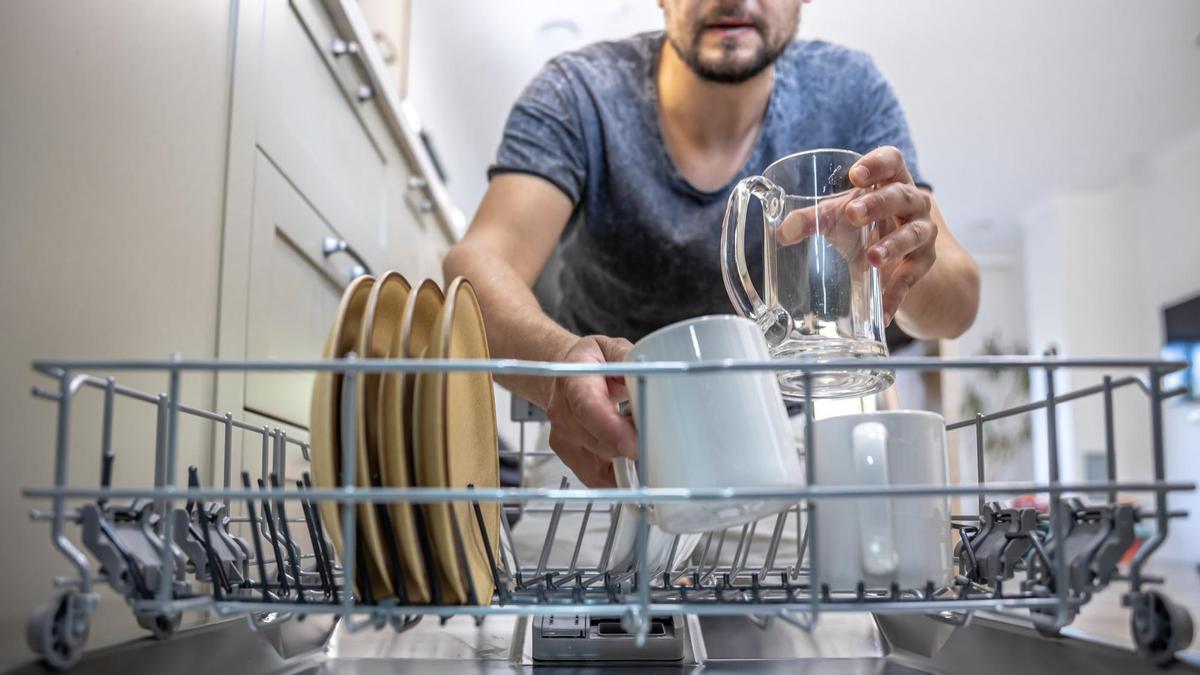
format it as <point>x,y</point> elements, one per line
<point>58,630</point>
<point>1044,617</point>
<point>160,626</point>
<point>1160,627</point>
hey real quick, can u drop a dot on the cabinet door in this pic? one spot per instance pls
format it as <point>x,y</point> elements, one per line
<point>293,295</point>
<point>313,126</point>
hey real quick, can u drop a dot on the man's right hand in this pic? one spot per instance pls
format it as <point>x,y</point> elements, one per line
<point>586,431</point>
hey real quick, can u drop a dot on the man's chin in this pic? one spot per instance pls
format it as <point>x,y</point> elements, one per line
<point>729,69</point>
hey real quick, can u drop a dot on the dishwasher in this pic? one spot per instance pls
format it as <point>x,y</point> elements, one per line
<point>257,563</point>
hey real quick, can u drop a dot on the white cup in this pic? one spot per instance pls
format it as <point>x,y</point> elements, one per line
<point>711,430</point>
<point>881,540</point>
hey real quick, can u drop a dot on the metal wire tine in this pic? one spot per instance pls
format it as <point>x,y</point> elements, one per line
<point>737,552</point>
<point>548,543</point>
<point>512,548</point>
<point>280,445</point>
<point>160,441</point>
<point>349,514</point>
<point>258,553</point>
<point>487,548</point>
<point>773,546</point>
<point>643,523</point>
<point>1161,517</point>
<point>743,549</point>
<point>613,522</point>
<point>216,573</point>
<point>280,574</point>
<point>391,552</point>
<point>587,513</point>
<point>1061,586</point>
<point>322,545</point>
<point>106,451</point>
<point>287,538</point>
<point>979,464</point>
<point>716,557</point>
<point>803,546</point>
<point>1110,446</point>
<point>228,454</point>
<point>521,470</point>
<point>167,553</point>
<point>460,550</point>
<point>315,539</point>
<point>279,458</point>
<point>266,454</point>
<point>810,462</point>
<point>671,557</point>
<point>708,537</point>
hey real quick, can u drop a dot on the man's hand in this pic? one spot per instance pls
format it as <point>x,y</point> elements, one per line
<point>586,431</point>
<point>904,249</point>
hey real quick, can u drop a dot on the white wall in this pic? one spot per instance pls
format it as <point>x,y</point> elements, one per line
<point>1101,264</point>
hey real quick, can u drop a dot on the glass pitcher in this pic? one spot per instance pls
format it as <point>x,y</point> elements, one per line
<point>821,296</point>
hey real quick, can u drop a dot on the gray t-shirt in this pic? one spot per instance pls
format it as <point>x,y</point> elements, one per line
<point>642,248</point>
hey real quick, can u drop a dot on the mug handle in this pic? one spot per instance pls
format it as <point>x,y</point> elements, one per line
<point>876,542</point>
<point>625,473</point>
<point>734,270</point>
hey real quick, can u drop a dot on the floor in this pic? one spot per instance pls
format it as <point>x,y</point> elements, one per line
<point>1105,619</point>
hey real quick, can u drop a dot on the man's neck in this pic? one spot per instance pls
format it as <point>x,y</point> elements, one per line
<point>710,115</point>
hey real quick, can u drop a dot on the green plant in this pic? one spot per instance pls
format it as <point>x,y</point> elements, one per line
<point>997,388</point>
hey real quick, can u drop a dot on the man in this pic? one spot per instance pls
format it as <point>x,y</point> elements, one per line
<point>626,152</point>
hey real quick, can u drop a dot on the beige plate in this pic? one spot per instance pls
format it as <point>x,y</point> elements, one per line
<point>324,426</point>
<point>455,430</point>
<point>421,312</point>
<point>380,328</point>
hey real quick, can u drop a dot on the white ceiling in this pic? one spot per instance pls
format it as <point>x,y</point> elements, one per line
<point>1007,100</point>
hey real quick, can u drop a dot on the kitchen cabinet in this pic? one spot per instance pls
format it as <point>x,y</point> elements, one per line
<point>170,173</point>
<point>294,290</point>
<point>317,154</point>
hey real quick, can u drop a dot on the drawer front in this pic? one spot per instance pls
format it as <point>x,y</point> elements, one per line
<point>327,142</point>
<point>293,294</point>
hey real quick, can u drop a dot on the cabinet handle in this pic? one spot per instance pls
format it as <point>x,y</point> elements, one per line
<point>332,245</point>
<point>342,47</point>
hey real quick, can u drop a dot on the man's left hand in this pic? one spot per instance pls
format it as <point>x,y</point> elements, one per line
<point>905,251</point>
<point>884,194</point>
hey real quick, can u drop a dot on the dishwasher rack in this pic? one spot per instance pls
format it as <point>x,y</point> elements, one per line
<point>165,558</point>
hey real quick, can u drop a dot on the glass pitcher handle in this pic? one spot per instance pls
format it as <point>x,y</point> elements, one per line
<point>734,270</point>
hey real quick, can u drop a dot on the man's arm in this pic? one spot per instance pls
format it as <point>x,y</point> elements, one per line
<point>944,302</point>
<point>513,234</point>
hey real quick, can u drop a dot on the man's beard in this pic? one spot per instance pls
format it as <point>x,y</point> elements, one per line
<point>724,71</point>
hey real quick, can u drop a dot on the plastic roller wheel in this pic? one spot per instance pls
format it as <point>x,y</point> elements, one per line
<point>58,630</point>
<point>1043,619</point>
<point>160,626</point>
<point>1160,627</point>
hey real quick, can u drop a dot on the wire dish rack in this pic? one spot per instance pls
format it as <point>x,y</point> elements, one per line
<point>258,547</point>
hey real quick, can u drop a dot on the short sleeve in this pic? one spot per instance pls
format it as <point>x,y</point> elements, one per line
<point>882,121</point>
<point>544,133</point>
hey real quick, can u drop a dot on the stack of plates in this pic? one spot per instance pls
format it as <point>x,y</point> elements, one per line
<point>433,429</point>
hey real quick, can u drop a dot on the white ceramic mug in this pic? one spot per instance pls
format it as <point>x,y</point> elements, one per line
<point>711,430</point>
<point>881,540</point>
